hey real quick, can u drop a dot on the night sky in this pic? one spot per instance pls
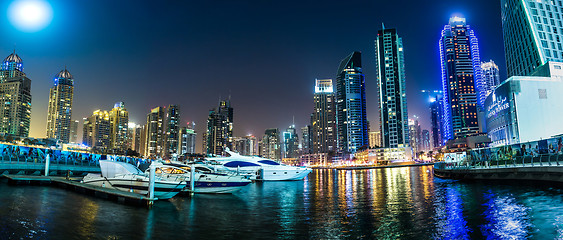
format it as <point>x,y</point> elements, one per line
<point>264,54</point>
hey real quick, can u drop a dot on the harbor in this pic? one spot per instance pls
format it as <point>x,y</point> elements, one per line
<point>406,203</point>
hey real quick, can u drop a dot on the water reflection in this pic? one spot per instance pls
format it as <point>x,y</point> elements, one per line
<point>506,219</point>
<point>393,203</point>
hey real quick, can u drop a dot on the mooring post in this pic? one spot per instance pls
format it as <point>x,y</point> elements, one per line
<point>192,179</point>
<point>47,161</point>
<point>151,181</point>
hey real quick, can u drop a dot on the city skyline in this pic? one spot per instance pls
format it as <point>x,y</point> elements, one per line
<point>195,98</point>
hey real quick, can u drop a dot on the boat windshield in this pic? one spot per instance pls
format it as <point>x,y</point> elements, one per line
<point>268,162</point>
<point>240,164</point>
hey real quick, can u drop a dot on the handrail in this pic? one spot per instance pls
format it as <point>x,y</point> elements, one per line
<point>493,161</point>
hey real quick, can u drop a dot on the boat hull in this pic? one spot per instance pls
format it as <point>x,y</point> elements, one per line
<point>162,189</point>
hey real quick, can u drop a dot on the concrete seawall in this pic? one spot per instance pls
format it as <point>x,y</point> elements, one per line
<point>537,173</point>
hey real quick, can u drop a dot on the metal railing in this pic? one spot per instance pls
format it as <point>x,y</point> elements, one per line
<point>541,160</point>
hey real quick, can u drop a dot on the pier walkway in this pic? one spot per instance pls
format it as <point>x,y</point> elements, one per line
<point>545,167</point>
<point>74,184</point>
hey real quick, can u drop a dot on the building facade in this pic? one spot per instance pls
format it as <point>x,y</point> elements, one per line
<point>526,108</point>
<point>374,139</point>
<point>351,120</point>
<point>532,33</point>
<point>172,130</point>
<point>271,147</point>
<point>15,98</point>
<point>491,76</point>
<point>436,124</point>
<point>59,115</point>
<point>74,131</point>
<point>463,90</point>
<point>323,118</point>
<point>306,140</point>
<point>155,133</point>
<point>186,141</point>
<point>290,143</point>
<point>119,120</point>
<point>97,131</point>
<point>219,133</point>
<point>392,89</point>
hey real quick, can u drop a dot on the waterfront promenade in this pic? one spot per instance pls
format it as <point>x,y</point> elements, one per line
<point>545,167</point>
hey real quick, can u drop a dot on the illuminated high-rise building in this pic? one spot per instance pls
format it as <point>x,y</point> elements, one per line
<point>186,140</point>
<point>351,120</point>
<point>246,145</point>
<point>306,139</point>
<point>392,89</point>
<point>271,147</point>
<point>74,131</point>
<point>463,89</point>
<point>119,120</point>
<point>290,143</point>
<point>219,133</point>
<point>134,136</point>
<point>96,131</point>
<point>323,119</point>
<point>374,139</point>
<point>60,107</point>
<point>15,97</point>
<point>155,133</point>
<point>172,130</point>
<point>491,76</point>
<point>532,33</point>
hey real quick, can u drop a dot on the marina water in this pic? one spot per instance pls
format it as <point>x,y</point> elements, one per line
<point>390,203</point>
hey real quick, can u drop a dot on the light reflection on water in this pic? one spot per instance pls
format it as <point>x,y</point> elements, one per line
<point>392,203</point>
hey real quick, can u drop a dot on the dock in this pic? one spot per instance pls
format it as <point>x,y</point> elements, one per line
<point>74,185</point>
<point>375,166</point>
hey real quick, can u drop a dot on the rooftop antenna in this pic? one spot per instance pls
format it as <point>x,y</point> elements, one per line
<point>382,26</point>
<point>294,121</point>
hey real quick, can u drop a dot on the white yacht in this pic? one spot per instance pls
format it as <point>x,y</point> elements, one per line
<point>126,177</point>
<point>258,168</point>
<point>206,180</point>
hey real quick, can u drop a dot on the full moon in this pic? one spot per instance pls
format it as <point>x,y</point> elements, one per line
<point>30,15</point>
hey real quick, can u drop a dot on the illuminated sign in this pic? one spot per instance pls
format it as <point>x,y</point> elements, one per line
<point>496,106</point>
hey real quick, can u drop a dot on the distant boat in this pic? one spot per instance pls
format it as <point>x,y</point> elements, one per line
<point>206,180</point>
<point>126,177</point>
<point>258,168</point>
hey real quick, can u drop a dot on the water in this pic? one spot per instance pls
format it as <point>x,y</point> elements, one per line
<point>392,203</point>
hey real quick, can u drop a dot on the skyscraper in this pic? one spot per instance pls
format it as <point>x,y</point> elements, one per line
<point>96,131</point>
<point>134,136</point>
<point>306,139</point>
<point>219,133</point>
<point>374,139</point>
<point>60,107</point>
<point>392,89</point>
<point>172,130</point>
<point>491,76</point>
<point>436,107</point>
<point>290,143</point>
<point>119,120</point>
<point>15,97</point>
<point>351,120</point>
<point>323,119</point>
<point>74,131</point>
<point>271,148</point>
<point>186,141</point>
<point>154,131</point>
<point>532,33</point>
<point>245,145</point>
<point>461,76</point>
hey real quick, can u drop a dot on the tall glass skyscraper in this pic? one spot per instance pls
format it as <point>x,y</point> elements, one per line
<point>351,119</point>
<point>462,84</point>
<point>219,133</point>
<point>323,119</point>
<point>119,120</point>
<point>533,32</point>
<point>392,89</point>
<point>15,97</point>
<point>491,76</point>
<point>60,107</point>
<point>172,130</point>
